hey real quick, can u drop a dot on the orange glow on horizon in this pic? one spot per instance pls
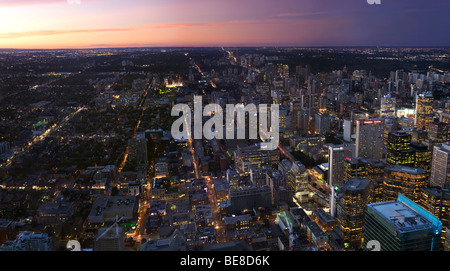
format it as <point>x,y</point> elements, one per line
<point>55,24</point>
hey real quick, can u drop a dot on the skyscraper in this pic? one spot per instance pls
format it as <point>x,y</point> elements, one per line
<point>424,110</point>
<point>369,138</point>
<point>297,179</point>
<point>355,167</point>
<point>354,195</point>
<point>322,123</point>
<point>401,225</point>
<point>337,156</point>
<point>387,106</point>
<point>436,200</point>
<point>399,150</point>
<point>350,124</point>
<point>405,180</point>
<point>372,169</point>
<point>250,197</point>
<point>313,94</point>
<point>422,156</point>
<point>438,133</point>
<point>440,166</point>
<point>347,130</point>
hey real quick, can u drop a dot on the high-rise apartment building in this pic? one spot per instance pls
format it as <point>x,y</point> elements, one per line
<point>422,156</point>
<point>350,123</point>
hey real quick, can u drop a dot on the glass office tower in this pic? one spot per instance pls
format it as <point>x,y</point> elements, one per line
<point>401,225</point>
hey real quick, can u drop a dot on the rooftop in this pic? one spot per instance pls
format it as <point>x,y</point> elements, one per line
<point>54,207</point>
<point>315,229</point>
<point>438,192</point>
<point>117,204</point>
<point>356,184</point>
<point>426,95</point>
<point>323,216</point>
<point>402,217</point>
<point>444,147</point>
<point>4,223</point>
<point>287,219</point>
<point>405,169</point>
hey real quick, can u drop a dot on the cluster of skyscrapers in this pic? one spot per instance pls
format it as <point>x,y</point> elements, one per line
<point>390,182</point>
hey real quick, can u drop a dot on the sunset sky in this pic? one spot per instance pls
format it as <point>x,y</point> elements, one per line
<point>134,23</point>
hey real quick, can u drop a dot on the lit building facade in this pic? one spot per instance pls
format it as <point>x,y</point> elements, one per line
<point>438,133</point>
<point>355,167</point>
<point>253,157</point>
<point>424,110</point>
<point>399,150</point>
<point>302,142</point>
<point>405,180</point>
<point>372,169</point>
<point>436,200</point>
<point>388,104</point>
<point>447,240</point>
<point>354,195</point>
<point>322,123</point>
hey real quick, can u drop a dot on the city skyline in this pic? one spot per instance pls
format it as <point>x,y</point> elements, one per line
<point>79,24</point>
<point>224,126</point>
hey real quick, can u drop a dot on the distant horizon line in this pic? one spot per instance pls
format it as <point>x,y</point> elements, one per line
<point>230,46</point>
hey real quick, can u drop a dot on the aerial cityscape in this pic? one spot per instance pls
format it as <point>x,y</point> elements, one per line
<point>223,145</point>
